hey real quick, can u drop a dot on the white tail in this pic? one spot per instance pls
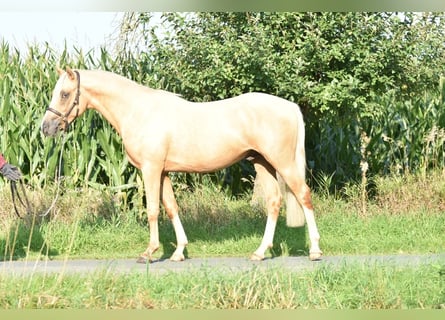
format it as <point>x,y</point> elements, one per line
<point>294,211</point>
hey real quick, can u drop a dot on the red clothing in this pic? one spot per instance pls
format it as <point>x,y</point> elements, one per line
<point>2,161</point>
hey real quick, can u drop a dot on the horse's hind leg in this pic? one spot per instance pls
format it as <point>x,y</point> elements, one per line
<point>303,194</point>
<point>171,207</point>
<point>266,178</point>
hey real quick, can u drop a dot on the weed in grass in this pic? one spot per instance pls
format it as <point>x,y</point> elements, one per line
<point>364,166</point>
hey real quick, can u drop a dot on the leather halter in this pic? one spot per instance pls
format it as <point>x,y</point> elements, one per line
<point>64,117</point>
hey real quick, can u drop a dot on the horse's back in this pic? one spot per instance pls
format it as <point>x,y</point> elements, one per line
<point>264,109</point>
<point>255,112</point>
<point>258,100</point>
<point>251,120</point>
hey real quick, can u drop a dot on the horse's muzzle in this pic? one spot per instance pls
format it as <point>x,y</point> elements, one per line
<point>51,127</point>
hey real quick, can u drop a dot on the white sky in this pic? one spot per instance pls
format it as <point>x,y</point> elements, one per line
<point>86,30</point>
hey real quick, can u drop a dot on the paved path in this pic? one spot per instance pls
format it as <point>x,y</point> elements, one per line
<point>225,264</point>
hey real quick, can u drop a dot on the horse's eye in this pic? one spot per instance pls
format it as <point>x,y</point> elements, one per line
<point>64,95</point>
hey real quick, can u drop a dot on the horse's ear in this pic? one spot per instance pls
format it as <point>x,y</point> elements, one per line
<point>70,73</point>
<point>59,71</point>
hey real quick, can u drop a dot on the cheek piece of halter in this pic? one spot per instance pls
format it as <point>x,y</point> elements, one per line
<point>64,117</point>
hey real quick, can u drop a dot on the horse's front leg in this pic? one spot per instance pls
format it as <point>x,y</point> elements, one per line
<point>172,209</point>
<point>152,184</point>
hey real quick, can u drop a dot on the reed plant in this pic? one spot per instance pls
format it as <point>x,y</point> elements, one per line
<point>402,134</point>
<point>401,137</point>
<point>90,154</point>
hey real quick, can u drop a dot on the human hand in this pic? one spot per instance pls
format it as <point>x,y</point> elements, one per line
<point>11,172</point>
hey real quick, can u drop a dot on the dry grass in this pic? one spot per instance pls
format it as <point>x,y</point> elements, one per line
<point>411,193</point>
<point>56,204</point>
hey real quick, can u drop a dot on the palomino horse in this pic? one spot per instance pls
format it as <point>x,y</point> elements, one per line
<point>162,132</point>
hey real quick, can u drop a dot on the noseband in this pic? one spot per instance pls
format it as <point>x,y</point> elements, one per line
<point>64,117</point>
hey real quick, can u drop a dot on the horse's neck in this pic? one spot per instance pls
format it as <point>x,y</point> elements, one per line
<point>107,96</point>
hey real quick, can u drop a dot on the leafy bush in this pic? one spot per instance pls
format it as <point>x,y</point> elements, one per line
<point>351,73</point>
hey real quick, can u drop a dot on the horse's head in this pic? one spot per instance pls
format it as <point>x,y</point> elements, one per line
<point>65,104</point>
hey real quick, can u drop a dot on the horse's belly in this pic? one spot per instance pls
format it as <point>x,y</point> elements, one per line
<point>194,161</point>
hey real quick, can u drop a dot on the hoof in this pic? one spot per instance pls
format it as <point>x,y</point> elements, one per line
<point>256,257</point>
<point>143,259</point>
<point>177,257</point>
<point>315,256</point>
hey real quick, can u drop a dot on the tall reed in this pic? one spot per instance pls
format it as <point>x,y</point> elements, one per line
<point>403,136</point>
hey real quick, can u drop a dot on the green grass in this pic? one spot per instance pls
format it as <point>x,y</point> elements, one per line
<point>342,233</point>
<point>349,287</point>
<point>420,232</point>
<point>88,224</point>
<point>403,216</point>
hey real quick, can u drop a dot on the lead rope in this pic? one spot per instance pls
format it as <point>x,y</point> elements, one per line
<point>58,177</point>
<point>25,201</point>
<point>15,193</point>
